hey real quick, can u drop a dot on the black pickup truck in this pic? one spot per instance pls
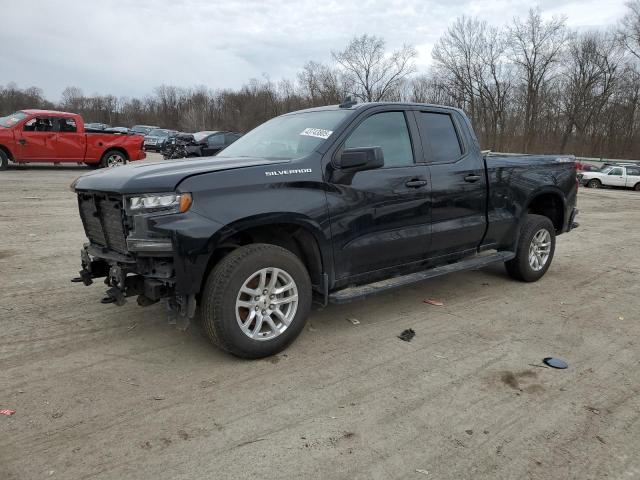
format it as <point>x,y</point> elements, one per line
<point>323,205</point>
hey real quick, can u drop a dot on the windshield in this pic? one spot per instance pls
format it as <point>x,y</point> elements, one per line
<point>11,120</point>
<point>288,136</point>
<point>200,135</point>
<point>158,132</point>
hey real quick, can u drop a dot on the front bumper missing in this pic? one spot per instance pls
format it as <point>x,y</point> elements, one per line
<point>122,279</point>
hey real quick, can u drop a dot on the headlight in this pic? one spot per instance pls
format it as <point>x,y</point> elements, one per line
<point>162,202</point>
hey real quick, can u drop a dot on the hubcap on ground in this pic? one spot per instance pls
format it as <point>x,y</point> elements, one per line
<point>266,303</point>
<point>114,160</point>
<point>540,249</point>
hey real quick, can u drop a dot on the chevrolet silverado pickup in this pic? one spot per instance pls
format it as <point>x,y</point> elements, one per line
<point>60,137</point>
<point>325,205</point>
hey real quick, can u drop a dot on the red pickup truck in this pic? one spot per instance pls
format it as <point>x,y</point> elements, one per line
<point>50,136</point>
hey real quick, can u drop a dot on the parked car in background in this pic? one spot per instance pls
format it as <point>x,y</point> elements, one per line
<point>96,126</point>
<point>156,138</point>
<point>199,144</point>
<point>50,136</point>
<point>624,176</point>
<point>142,129</point>
<point>118,130</point>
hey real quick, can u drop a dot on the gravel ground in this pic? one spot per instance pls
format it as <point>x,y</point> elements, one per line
<point>106,392</point>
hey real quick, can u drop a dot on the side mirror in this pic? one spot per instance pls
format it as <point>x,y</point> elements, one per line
<point>364,158</point>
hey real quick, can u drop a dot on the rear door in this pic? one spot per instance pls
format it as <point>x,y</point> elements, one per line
<point>458,184</point>
<point>380,218</point>
<point>68,143</point>
<point>35,140</point>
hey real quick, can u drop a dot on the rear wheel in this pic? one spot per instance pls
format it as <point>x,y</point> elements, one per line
<point>256,300</point>
<point>113,158</point>
<point>594,183</point>
<point>536,246</point>
<point>4,160</point>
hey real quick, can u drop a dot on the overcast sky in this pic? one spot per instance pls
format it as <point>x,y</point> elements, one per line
<point>127,48</point>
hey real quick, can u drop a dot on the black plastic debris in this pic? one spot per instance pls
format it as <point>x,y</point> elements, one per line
<point>555,362</point>
<point>407,335</point>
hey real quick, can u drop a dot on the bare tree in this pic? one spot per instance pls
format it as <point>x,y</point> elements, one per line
<point>535,49</point>
<point>373,74</point>
<point>590,73</point>
<point>629,31</point>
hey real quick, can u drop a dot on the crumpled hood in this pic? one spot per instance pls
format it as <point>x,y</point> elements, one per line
<point>162,176</point>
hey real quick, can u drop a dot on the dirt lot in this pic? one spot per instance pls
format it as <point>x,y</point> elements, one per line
<point>114,393</point>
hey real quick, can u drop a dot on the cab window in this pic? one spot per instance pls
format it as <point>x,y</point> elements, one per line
<point>38,124</point>
<point>439,136</point>
<point>216,140</point>
<point>615,171</point>
<point>67,125</point>
<point>389,131</point>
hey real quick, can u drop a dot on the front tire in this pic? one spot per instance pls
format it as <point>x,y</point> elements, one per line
<point>4,160</point>
<point>256,301</point>
<point>536,246</point>
<point>637,187</point>
<point>594,183</point>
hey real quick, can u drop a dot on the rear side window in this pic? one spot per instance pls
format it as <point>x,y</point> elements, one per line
<point>439,136</point>
<point>389,131</point>
<point>65,125</point>
<point>633,171</point>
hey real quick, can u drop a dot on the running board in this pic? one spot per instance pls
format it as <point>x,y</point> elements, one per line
<point>356,293</point>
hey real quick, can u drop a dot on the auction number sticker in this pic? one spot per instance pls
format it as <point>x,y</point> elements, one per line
<point>316,132</point>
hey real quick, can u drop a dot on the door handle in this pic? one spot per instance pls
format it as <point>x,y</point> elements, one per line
<point>416,183</point>
<point>22,141</point>
<point>471,178</point>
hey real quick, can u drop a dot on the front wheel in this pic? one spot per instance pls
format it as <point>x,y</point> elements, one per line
<point>594,183</point>
<point>536,246</point>
<point>256,300</point>
<point>637,187</point>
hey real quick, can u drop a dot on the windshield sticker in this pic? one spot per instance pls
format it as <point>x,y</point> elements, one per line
<point>316,132</point>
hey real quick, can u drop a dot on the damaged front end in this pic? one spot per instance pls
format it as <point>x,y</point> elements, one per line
<point>133,257</point>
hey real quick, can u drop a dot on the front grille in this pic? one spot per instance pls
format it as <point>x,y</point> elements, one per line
<point>102,217</point>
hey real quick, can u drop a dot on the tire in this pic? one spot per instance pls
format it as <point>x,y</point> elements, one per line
<point>222,315</point>
<point>112,158</point>
<point>594,183</point>
<point>637,187</point>
<point>521,267</point>
<point>4,160</point>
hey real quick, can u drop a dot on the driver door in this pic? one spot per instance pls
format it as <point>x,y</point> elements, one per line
<point>615,177</point>
<point>36,140</point>
<point>380,218</point>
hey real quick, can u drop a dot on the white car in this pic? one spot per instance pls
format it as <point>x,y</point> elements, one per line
<point>613,176</point>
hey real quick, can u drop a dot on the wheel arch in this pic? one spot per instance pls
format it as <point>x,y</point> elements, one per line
<point>296,233</point>
<point>116,149</point>
<point>549,202</point>
<point>7,151</point>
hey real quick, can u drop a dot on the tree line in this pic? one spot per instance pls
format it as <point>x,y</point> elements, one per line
<point>532,85</point>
